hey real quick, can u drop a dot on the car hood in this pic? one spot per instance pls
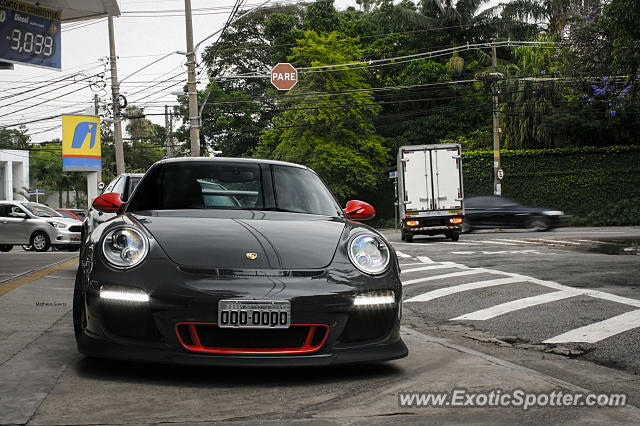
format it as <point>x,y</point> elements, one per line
<point>231,240</point>
<point>66,220</point>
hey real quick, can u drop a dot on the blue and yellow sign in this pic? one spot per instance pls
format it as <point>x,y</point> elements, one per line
<point>81,143</point>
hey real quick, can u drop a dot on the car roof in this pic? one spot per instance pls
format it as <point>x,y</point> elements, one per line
<point>227,160</point>
<point>18,202</point>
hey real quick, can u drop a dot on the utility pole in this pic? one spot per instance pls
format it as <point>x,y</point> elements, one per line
<point>168,126</point>
<point>194,120</point>
<point>115,93</point>
<point>493,77</point>
<point>497,186</point>
<point>92,177</point>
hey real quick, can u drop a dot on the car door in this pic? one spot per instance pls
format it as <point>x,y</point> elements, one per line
<point>480,211</point>
<point>14,224</point>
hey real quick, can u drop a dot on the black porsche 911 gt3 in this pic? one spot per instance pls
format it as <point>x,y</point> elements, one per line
<point>224,261</point>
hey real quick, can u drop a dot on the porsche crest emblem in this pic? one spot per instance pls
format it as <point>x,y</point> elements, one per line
<point>251,256</point>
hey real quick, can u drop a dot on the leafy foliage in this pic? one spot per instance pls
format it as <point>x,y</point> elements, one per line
<point>14,138</point>
<point>348,122</point>
<point>335,135</point>
<point>569,179</point>
<point>45,167</point>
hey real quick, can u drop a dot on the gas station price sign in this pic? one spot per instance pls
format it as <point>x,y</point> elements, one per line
<point>29,34</point>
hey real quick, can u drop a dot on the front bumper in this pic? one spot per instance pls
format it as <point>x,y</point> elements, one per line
<point>179,297</point>
<point>65,237</point>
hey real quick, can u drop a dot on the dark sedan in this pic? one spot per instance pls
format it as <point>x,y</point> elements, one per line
<point>237,262</point>
<point>493,211</point>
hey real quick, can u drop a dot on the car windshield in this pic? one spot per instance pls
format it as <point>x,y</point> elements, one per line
<point>41,211</point>
<point>232,185</point>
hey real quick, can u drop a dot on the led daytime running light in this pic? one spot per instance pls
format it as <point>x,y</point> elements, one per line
<point>123,294</point>
<point>375,299</point>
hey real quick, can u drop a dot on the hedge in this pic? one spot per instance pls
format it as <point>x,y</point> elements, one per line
<point>580,181</point>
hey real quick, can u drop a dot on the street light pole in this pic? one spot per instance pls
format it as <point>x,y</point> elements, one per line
<point>194,122</point>
<point>115,93</point>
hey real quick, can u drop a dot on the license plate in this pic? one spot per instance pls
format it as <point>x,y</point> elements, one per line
<point>254,314</point>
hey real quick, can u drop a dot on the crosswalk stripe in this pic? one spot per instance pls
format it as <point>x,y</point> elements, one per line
<point>502,243</point>
<point>449,275</point>
<point>592,293</point>
<point>425,297</point>
<point>547,240</point>
<point>401,254</point>
<point>593,333</point>
<point>443,265</point>
<point>411,264</point>
<point>515,305</point>
<point>517,241</point>
<point>595,242</point>
<point>425,259</point>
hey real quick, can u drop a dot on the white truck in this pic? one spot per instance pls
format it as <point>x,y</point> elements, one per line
<point>429,189</point>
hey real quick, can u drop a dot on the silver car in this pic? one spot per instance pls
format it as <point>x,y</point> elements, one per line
<point>27,223</point>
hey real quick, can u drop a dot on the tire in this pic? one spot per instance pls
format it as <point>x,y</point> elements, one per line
<point>5,247</point>
<point>40,241</point>
<point>408,237</point>
<point>538,223</point>
<point>79,315</point>
<point>453,236</point>
<point>403,236</point>
<point>27,247</point>
<point>466,225</point>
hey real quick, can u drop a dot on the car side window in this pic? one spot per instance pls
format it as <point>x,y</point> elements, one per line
<point>120,185</point>
<point>132,182</point>
<point>5,210</point>
<point>16,211</point>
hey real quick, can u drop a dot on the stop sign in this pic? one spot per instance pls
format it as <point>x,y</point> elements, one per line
<point>284,76</point>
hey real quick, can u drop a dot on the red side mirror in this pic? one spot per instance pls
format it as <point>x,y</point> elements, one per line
<point>359,210</point>
<point>108,203</point>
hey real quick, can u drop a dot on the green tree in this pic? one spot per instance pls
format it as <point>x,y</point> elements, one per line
<point>334,134</point>
<point>14,138</point>
<point>146,141</point>
<point>45,167</point>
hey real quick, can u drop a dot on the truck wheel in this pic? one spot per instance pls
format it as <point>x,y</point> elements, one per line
<point>408,237</point>
<point>5,247</point>
<point>40,241</point>
<point>454,236</point>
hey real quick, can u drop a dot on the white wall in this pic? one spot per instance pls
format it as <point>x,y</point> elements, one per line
<point>14,173</point>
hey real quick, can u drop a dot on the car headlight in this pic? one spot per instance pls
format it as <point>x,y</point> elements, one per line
<point>553,213</point>
<point>125,247</point>
<point>59,225</point>
<point>369,253</point>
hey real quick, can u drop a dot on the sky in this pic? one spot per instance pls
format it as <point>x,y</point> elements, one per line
<point>146,31</point>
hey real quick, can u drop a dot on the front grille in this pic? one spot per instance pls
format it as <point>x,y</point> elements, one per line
<point>368,324</point>
<point>209,338</point>
<point>75,228</point>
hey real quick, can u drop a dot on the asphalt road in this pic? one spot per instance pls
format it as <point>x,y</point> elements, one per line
<point>43,380</point>
<point>570,291</point>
